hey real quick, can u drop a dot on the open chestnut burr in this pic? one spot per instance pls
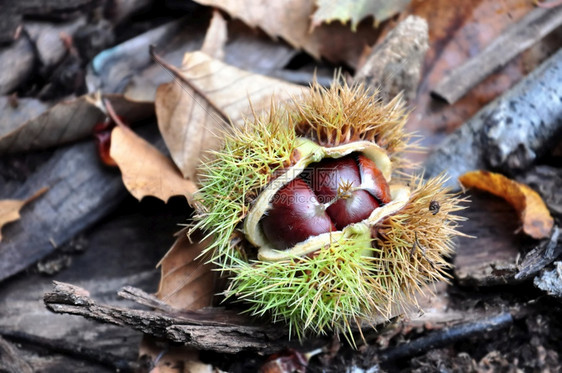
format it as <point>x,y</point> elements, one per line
<point>314,219</point>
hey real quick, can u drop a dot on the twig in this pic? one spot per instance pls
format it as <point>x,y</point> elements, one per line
<point>71,349</point>
<point>446,337</point>
<point>112,114</point>
<point>210,329</point>
<point>533,27</point>
<point>179,75</point>
<point>141,297</point>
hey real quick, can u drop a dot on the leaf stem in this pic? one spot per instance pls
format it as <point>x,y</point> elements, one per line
<point>177,73</point>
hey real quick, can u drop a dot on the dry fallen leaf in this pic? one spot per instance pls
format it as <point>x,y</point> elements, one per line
<point>166,358</point>
<point>291,20</point>
<point>67,121</point>
<point>216,36</point>
<point>186,283</point>
<point>534,214</point>
<point>354,11</point>
<point>10,208</point>
<point>146,171</point>
<point>190,123</point>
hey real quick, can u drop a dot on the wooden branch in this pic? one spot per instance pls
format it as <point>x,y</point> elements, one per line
<point>533,27</point>
<point>395,65</point>
<point>446,337</point>
<point>80,192</point>
<point>207,329</point>
<point>511,132</point>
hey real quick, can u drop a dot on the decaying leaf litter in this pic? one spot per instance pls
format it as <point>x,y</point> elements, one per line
<point>133,81</point>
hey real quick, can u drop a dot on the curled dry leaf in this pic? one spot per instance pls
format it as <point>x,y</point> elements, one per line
<point>355,11</point>
<point>534,214</point>
<point>291,20</point>
<point>10,208</point>
<point>190,123</point>
<point>186,283</point>
<point>146,171</point>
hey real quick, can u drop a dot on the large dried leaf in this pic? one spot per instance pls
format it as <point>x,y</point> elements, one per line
<point>291,20</point>
<point>191,125</point>
<point>245,49</point>
<point>534,214</point>
<point>146,171</point>
<point>186,283</point>
<point>65,122</point>
<point>10,209</point>
<point>354,11</point>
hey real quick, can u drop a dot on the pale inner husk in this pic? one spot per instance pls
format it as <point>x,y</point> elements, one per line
<point>311,152</point>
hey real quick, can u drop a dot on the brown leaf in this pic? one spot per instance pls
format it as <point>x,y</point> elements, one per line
<point>191,124</point>
<point>355,11</point>
<point>534,214</point>
<point>146,171</point>
<point>186,283</point>
<point>65,122</point>
<point>215,38</point>
<point>168,358</point>
<point>245,49</point>
<point>10,209</point>
<point>291,20</point>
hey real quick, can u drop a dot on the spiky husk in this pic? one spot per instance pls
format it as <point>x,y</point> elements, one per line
<point>342,114</point>
<point>357,279</point>
<point>236,174</point>
<point>351,280</point>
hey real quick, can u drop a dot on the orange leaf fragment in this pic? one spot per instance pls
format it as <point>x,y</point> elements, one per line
<point>10,209</point>
<point>186,283</point>
<point>535,217</point>
<point>146,171</point>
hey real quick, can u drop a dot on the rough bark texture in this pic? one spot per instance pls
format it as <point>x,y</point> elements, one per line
<point>394,66</point>
<point>510,133</point>
<point>522,35</point>
<point>209,329</point>
<point>81,191</point>
<point>121,250</point>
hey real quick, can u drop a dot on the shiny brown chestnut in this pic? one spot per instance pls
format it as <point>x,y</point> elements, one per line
<point>295,215</point>
<point>336,193</point>
<point>337,183</point>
